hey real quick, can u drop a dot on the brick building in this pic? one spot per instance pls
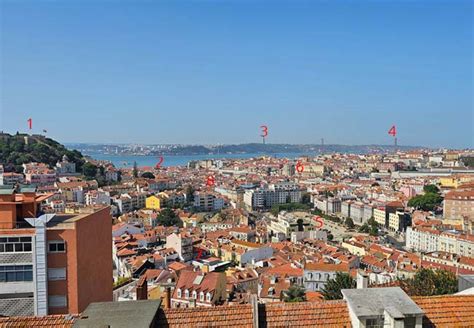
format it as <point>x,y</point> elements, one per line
<point>51,264</point>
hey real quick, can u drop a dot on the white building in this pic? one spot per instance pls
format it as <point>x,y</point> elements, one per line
<point>207,202</point>
<point>279,193</point>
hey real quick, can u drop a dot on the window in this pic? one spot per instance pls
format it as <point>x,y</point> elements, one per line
<point>410,322</point>
<point>208,297</point>
<point>201,296</point>
<point>179,293</point>
<point>57,301</point>
<point>194,294</point>
<point>56,273</point>
<point>186,293</point>
<point>11,273</point>
<point>374,323</point>
<point>15,244</point>
<point>56,246</point>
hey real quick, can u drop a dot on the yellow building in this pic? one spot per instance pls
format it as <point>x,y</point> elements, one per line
<point>455,181</point>
<point>354,247</point>
<point>448,182</point>
<point>379,216</point>
<point>153,202</point>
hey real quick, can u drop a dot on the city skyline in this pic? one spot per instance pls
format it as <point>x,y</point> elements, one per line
<point>207,73</point>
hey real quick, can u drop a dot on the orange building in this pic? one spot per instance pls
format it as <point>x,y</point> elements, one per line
<point>52,264</point>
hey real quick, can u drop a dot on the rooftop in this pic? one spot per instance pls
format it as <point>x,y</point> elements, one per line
<point>371,302</point>
<point>119,314</point>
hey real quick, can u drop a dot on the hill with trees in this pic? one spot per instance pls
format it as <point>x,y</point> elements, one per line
<point>18,149</point>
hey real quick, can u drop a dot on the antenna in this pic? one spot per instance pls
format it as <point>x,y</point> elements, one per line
<point>393,133</point>
<point>322,145</point>
<point>264,132</point>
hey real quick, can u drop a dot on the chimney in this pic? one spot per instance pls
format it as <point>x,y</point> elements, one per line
<point>362,280</point>
<point>254,304</point>
<point>142,288</point>
<point>167,297</point>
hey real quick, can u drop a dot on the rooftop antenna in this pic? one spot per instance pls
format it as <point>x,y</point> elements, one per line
<point>322,145</point>
<point>393,133</point>
<point>264,132</point>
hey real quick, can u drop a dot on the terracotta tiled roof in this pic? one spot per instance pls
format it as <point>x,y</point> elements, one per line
<point>220,316</point>
<point>306,314</point>
<point>329,267</point>
<point>447,311</point>
<point>57,321</point>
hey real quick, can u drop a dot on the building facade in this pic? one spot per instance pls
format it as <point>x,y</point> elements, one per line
<point>52,264</point>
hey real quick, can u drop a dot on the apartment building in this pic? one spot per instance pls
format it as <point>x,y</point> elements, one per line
<point>65,168</point>
<point>195,288</point>
<point>357,213</point>
<point>430,240</point>
<point>380,216</point>
<point>97,197</point>
<point>286,223</point>
<point>39,174</point>
<point>346,208</point>
<point>330,205</point>
<point>399,221</point>
<point>316,275</point>
<point>11,178</point>
<point>208,202</point>
<point>51,264</point>
<point>458,204</point>
<point>182,244</point>
<point>129,202</point>
<point>280,193</point>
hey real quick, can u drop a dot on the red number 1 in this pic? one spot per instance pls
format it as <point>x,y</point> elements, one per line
<point>30,123</point>
<point>393,131</point>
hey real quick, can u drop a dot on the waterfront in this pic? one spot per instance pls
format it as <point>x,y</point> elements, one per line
<point>122,161</point>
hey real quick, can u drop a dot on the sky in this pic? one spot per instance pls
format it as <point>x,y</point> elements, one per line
<point>208,72</point>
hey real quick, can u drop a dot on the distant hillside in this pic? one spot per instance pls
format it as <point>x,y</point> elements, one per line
<point>257,148</point>
<point>248,148</point>
<point>14,151</point>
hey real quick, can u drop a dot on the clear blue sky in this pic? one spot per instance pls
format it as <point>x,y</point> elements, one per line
<point>214,71</point>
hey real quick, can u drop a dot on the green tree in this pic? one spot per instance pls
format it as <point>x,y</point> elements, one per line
<point>426,202</point>
<point>295,293</point>
<point>374,231</point>
<point>350,223</point>
<point>89,170</point>
<point>148,175</point>
<point>431,188</point>
<point>168,218</point>
<point>333,287</point>
<point>365,228</point>
<point>429,282</point>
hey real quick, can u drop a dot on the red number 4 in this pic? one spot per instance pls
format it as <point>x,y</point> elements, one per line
<point>393,131</point>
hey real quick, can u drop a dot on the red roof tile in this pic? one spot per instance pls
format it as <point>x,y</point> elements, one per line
<point>219,316</point>
<point>447,311</point>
